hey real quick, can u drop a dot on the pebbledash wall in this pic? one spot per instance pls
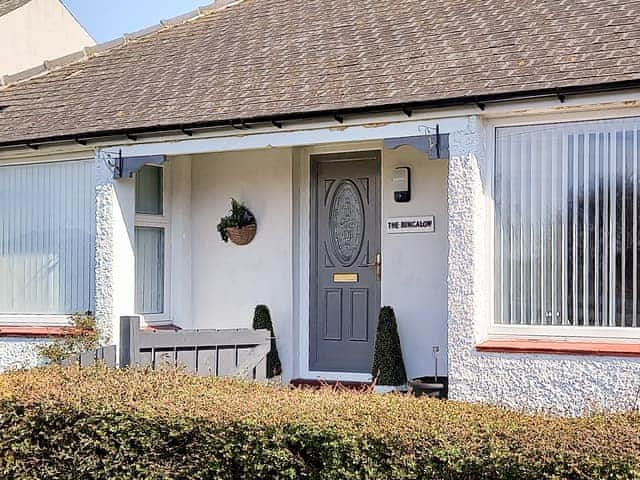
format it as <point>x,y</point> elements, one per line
<point>17,353</point>
<point>562,384</point>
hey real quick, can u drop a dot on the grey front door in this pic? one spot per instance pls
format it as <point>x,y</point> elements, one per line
<point>345,261</point>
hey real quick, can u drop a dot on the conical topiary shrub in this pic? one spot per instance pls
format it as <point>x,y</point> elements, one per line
<point>262,321</point>
<point>388,365</point>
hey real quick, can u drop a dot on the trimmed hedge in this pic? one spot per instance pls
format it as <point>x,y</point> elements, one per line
<point>97,423</point>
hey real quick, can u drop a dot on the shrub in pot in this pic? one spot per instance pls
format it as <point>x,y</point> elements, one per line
<point>262,321</point>
<point>239,226</point>
<point>388,365</point>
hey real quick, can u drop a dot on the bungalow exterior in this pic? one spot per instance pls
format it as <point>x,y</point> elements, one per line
<point>475,166</point>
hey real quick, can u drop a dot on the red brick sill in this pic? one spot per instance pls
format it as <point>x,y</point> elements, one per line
<point>36,332</point>
<point>48,332</point>
<point>170,327</point>
<point>559,347</point>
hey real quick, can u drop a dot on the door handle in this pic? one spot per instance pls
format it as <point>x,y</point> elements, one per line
<point>378,265</point>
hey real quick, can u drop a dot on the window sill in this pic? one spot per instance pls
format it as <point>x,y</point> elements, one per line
<point>559,347</point>
<point>35,332</point>
<point>34,320</point>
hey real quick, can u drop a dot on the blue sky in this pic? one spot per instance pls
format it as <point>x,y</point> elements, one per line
<point>109,19</point>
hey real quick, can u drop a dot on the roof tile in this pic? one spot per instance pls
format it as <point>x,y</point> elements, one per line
<point>272,57</point>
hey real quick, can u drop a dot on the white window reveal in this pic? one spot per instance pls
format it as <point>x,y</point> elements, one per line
<point>47,239</point>
<point>566,232</point>
<point>150,243</point>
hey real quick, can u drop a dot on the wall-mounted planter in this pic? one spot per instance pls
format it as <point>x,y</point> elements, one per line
<point>239,226</point>
<point>242,235</point>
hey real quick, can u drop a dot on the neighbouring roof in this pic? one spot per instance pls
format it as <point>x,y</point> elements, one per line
<point>260,58</point>
<point>7,6</point>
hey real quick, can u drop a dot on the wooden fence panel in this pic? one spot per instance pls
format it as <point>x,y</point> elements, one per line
<point>233,353</point>
<point>240,353</point>
<point>107,355</point>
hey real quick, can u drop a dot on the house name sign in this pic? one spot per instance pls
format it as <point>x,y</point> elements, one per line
<point>423,224</point>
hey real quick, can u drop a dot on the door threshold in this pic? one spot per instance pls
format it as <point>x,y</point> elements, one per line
<point>316,383</point>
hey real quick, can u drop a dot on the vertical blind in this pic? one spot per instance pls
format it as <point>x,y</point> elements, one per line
<point>149,270</point>
<point>47,238</point>
<point>566,198</point>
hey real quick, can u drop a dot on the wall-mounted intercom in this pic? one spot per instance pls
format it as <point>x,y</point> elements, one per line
<point>402,184</point>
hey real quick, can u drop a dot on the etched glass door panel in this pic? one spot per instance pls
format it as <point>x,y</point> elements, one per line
<point>346,223</point>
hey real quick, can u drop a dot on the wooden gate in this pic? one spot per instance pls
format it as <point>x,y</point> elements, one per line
<point>228,353</point>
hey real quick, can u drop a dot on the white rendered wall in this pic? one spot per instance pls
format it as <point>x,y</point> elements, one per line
<point>39,30</point>
<point>414,278</point>
<point>228,281</point>
<point>559,383</point>
<point>179,211</point>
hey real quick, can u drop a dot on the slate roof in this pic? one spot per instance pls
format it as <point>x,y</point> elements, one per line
<point>7,6</point>
<point>271,57</point>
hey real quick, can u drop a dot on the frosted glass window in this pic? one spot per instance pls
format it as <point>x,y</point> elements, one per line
<point>566,198</point>
<point>149,270</point>
<point>149,190</point>
<point>47,238</point>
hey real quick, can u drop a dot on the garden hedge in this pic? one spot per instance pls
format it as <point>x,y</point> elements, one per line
<point>108,424</point>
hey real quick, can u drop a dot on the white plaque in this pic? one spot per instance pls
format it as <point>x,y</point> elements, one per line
<point>423,224</point>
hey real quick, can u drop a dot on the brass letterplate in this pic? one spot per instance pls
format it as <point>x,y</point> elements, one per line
<point>345,278</point>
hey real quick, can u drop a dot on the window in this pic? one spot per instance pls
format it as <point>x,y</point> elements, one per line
<point>566,231</point>
<point>149,190</point>
<point>47,238</point>
<point>150,243</point>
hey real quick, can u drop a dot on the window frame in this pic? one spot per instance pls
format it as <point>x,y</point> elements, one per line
<point>42,319</point>
<point>164,222</point>
<point>538,332</point>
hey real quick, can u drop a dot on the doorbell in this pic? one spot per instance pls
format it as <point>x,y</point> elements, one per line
<point>402,184</point>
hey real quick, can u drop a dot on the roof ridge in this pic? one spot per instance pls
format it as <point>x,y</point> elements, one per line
<point>89,52</point>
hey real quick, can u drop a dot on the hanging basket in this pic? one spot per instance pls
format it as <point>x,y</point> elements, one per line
<point>242,235</point>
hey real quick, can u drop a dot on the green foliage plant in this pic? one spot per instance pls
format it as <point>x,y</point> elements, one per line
<point>83,335</point>
<point>134,424</point>
<point>239,216</point>
<point>388,364</point>
<point>262,321</point>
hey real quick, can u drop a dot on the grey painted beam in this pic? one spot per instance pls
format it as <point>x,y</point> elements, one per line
<point>425,143</point>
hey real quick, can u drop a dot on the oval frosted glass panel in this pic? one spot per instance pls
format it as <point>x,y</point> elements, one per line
<point>346,223</point>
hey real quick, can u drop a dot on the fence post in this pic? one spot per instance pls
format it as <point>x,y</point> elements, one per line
<point>129,331</point>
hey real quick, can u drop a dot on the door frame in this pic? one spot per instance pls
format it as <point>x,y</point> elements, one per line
<point>314,160</point>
